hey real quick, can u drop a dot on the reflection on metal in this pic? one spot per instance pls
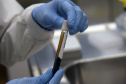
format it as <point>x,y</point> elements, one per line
<point>94,28</point>
<point>64,80</point>
<point>35,71</point>
<point>101,70</point>
<point>100,27</point>
<point>106,41</point>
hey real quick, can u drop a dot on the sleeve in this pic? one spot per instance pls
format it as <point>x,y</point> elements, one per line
<point>23,38</point>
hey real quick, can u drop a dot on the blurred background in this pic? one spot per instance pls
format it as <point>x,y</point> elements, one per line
<point>98,11</point>
<point>95,57</point>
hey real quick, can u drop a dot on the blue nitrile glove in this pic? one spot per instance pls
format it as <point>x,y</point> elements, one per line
<point>46,78</point>
<point>51,15</point>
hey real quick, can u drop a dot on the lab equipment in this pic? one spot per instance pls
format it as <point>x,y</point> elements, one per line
<point>51,15</point>
<point>105,41</point>
<point>47,77</point>
<point>99,70</point>
<point>121,21</point>
<point>61,45</point>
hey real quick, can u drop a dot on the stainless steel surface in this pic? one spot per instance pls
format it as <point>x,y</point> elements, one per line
<point>107,70</point>
<point>98,67</point>
<point>90,51</point>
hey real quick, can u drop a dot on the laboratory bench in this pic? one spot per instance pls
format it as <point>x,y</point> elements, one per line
<point>103,52</point>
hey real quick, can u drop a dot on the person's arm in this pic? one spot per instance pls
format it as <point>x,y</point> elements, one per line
<point>23,38</point>
<point>33,29</point>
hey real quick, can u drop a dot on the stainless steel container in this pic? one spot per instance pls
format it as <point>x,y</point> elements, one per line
<point>103,70</point>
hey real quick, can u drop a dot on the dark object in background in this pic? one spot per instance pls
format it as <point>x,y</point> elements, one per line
<point>26,3</point>
<point>3,75</point>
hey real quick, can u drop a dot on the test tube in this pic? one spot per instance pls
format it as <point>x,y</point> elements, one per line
<point>61,46</point>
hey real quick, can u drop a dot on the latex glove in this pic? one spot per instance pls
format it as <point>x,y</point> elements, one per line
<point>43,79</point>
<point>51,15</point>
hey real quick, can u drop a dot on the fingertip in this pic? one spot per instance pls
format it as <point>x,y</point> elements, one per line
<point>84,28</point>
<point>60,22</point>
<point>71,22</point>
<point>71,33</point>
<point>85,16</point>
<point>49,70</point>
<point>86,21</point>
<point>70,12</point>
<point>79,17</point>
<point>59,73</point>
<point>61,70</point>
<point>71,25</point>
<point>46,76</point>
<point>57,21</point>
<point>57,77</point>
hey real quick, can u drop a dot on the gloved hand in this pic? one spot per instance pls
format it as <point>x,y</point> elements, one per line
<point>51,15</point>
<point>43,79</point>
